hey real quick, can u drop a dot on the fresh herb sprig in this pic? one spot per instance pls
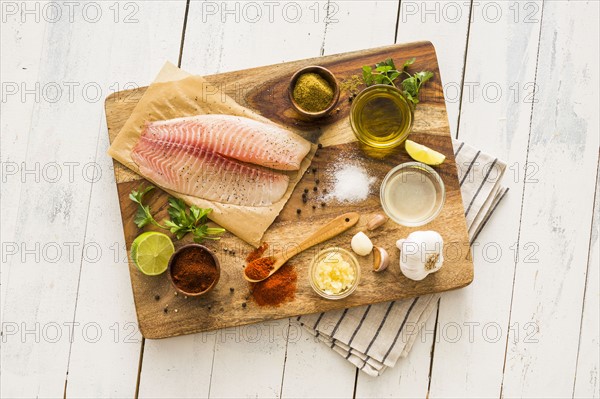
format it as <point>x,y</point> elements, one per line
<point>143,216</point>
<point>192,221</point>
<point>386,72</point>
<point>183,220</point>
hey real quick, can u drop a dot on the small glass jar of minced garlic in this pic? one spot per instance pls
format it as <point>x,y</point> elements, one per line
<point>334,273</point>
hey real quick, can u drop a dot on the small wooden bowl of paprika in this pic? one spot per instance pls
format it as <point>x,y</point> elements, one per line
<point>194,270</point>
<point>314,91</point>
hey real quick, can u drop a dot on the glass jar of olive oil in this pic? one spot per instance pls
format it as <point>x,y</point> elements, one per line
<point>381,116</point>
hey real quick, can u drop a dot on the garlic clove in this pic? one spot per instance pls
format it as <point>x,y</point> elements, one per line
<point>376,221</point>
<point>361,244</point>
<point>381,259</point>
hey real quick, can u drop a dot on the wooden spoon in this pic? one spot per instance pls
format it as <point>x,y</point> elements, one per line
<point>330,230</point>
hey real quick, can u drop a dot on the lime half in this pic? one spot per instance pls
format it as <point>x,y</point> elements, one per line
<point>423,154</point>
<point>151,252</point>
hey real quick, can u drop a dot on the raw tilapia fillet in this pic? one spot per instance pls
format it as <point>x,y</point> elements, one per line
<point>235,137</point>
<point>206,174</point>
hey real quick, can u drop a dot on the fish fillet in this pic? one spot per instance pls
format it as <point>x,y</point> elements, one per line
<point>235,137</point>
<point>206,174</point>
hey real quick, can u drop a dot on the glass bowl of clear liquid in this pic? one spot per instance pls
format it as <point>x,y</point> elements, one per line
<point>412,194</point>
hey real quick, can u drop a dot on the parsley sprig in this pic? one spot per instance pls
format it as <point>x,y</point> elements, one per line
<point>183,220</point>
<point>143,216</point>
<point>386,73</point>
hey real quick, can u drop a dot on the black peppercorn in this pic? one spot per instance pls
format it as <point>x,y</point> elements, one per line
<point>315,189</point>
<point>157,297</point>
<point>320,146</point>
<point>298,211</point>
<point>231,289</point>
<point>306,191</point>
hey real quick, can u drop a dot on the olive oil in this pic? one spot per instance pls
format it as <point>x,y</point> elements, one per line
<point>381,116</point>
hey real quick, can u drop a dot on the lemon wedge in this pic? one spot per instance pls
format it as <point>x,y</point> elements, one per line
<point>423,154</point>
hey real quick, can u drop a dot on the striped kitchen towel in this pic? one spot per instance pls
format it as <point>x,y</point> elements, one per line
<point>374,337</point>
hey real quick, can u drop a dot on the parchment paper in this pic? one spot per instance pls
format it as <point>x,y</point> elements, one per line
<point>176,93</point>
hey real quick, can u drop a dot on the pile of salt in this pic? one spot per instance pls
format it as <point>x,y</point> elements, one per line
<point>351,183</point>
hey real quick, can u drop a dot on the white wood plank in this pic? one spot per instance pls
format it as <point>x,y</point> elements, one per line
<point>557,210</point>
<point>75,62</point>
<point>217,41</point>
<point>109,367</point>
<point>445,23</point>
<point>253,356</point>
<point>409,378</point>
<point>499,127</point>
<point>24,41</point>
<point>588,362</point>
<point>313,370</point>
<point>227,36</point>
<point>34,365</point>
<point>177,367</point>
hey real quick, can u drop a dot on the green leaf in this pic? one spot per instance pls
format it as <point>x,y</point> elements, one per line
<point>408,63</point>
<point>394,75</point>
<point>383,68</point>
<point>143,216</point>
<point>379,79</point>
<point>367,75</point>
<point>389,63</point>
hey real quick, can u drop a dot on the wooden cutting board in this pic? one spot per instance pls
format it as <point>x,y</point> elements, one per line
<point>162,313</point>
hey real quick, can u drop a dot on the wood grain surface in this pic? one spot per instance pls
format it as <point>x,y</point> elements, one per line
<point>172,314</point>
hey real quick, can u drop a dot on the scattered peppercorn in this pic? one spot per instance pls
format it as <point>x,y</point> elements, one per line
<point>323,204</point>
<point>298,211</point>
<point>306,191</point>
<point>166,310</point>
<point>244,304</point>
<point>157,297</point>
<point>304,199</point>
<point>314,207</point>
<point>320,146</point>
<point>314,170</point>
<point>231,289</point>
<point>209,307</point>
<point>315,189</point>
<point>317,181</point>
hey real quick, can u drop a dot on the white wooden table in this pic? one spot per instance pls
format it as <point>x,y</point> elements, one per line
<point>521,82</point>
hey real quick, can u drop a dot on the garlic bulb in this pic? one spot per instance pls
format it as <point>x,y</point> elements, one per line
<point>361,244</point>
<point>421,253</point>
